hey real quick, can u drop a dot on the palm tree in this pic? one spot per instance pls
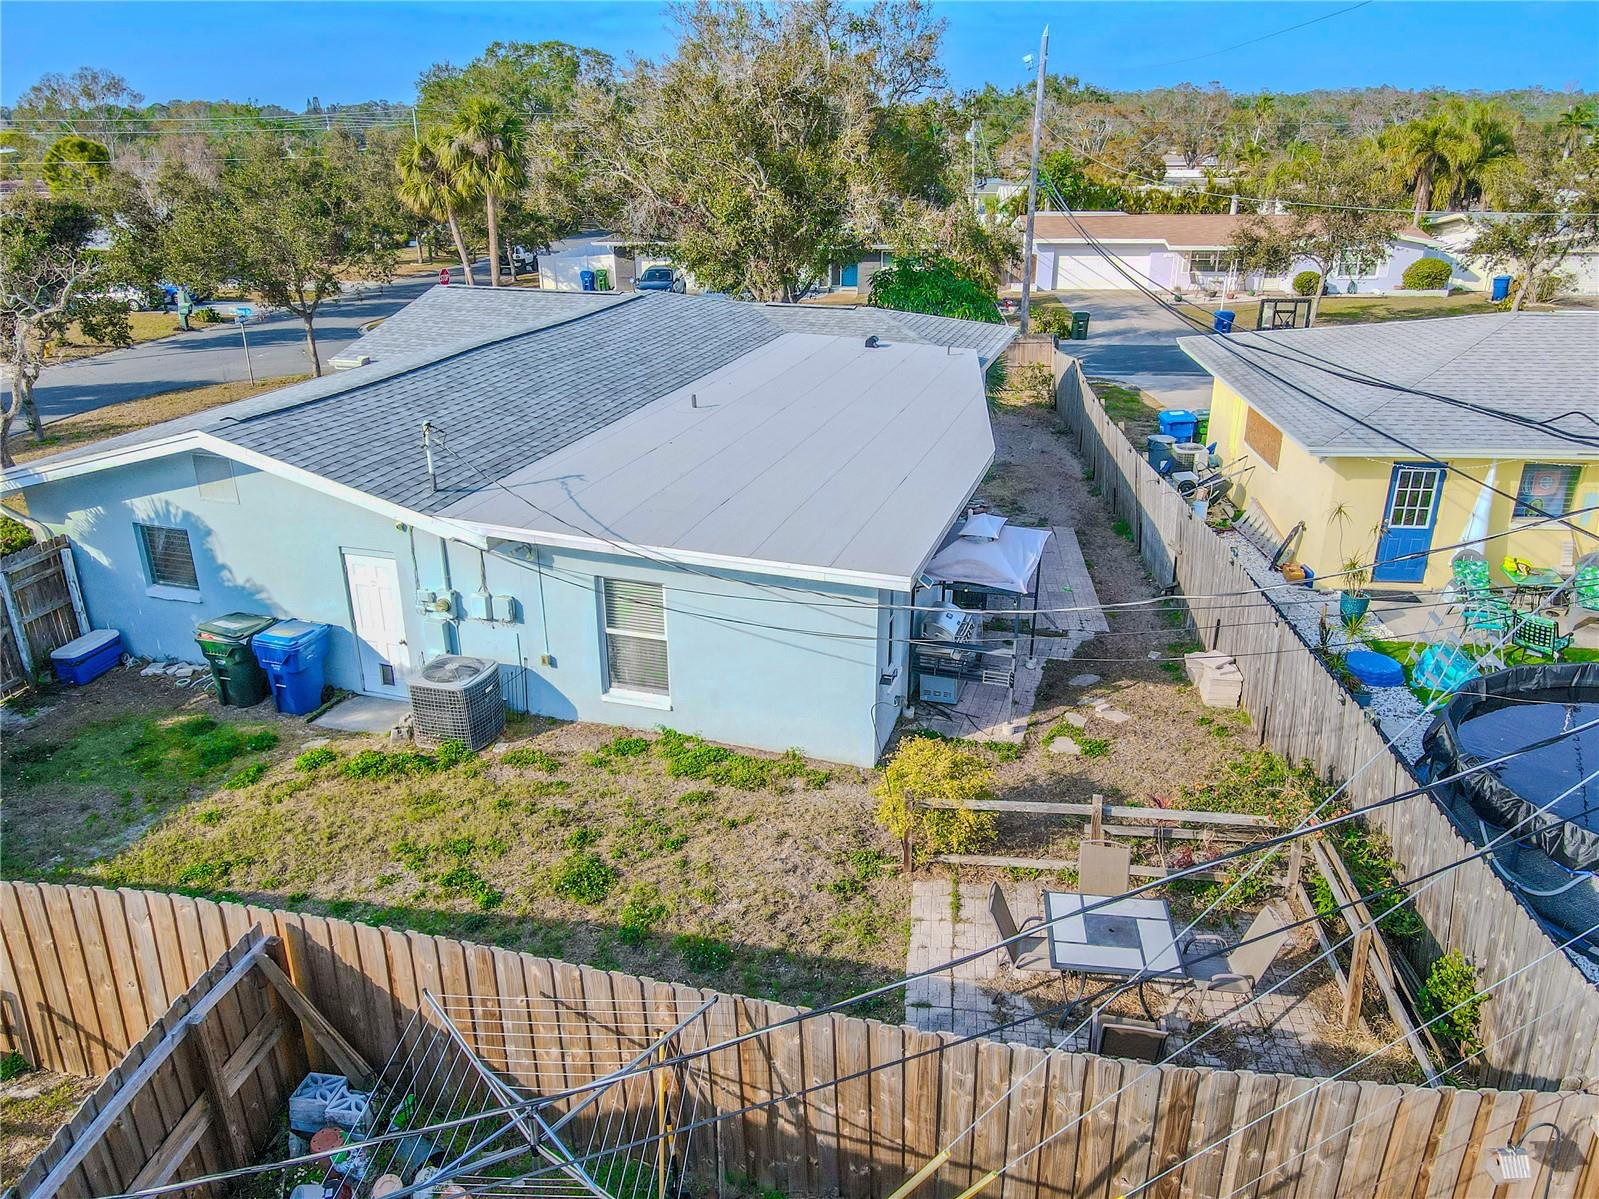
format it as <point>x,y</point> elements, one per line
<point>485,152</point>
<point>1575,127</point>
<point>428,189</point>
<point>1418,149</point>
<point>1480,149</point>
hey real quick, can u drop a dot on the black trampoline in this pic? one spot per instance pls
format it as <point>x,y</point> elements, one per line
<point>1498,714</point>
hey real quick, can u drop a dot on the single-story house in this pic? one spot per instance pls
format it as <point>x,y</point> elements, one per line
<point>611,258</point>
<point>1186,252</point>
<point>1178,175</point>
<point>856,276</point>
<point>651,509</point>
<point>1288,431</point>
<point>989,197</point>
<point>1457,230</point>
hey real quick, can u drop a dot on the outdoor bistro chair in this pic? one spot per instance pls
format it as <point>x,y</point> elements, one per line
<point>1212,967</point>
<point>1127,1036</point>
<point>1585,582</point>
<point>1030,952</point>
<point>1103,868</point>
<point>1482,608</point>
<point>1539,635</point>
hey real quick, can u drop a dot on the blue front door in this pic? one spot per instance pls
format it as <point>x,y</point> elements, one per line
<point>850,276</point>
<point>1408,521</point>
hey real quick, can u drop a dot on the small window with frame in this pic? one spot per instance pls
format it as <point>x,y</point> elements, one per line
<point>168,558</point>
<point>1546,489</point>
<point>635,638</point>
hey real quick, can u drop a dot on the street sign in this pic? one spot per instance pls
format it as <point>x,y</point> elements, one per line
<point>444,277</point>
<point>243,312</point>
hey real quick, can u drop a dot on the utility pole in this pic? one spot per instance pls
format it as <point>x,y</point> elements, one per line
<point>1032,177</point>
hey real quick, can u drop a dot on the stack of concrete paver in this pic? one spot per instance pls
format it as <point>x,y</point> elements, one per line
<point>1217,678</point>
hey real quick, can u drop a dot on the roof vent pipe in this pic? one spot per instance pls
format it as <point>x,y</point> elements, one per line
<point>427,451</point>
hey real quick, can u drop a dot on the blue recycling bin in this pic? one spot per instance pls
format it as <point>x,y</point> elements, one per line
<point>1222,322</point>
<point>586,278</point>
<point>1178,423</point>
<point>292,653</point>
<point>1501,288</point>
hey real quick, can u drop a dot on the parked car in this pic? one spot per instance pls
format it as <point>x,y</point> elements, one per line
<point>659,278</point>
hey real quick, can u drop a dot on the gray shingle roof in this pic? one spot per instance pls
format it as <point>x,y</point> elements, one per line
<point>436,318</point>
<point>498,406</point>
<point>445,315</point>
<point>1539,365</point>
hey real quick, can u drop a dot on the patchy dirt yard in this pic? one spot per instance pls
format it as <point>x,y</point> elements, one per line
<point>653,854</point>
<point>33,1105</point>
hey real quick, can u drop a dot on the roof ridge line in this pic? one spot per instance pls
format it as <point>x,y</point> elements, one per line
<point>405,366</point>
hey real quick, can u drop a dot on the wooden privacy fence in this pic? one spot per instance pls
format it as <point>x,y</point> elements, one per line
<point>828,1106</point>
<point>42,610</point>
<point>1303,713</point>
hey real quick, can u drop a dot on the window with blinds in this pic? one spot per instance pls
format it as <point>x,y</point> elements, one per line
<point>635,636</point>
<point>167,556</point>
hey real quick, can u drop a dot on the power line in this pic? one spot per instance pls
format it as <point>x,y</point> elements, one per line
<point>1177,62</point>
<point>799,1017</point>
<point>1228,346</point>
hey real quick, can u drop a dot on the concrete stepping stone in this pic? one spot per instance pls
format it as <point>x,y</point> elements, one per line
<point>1083,680</point>
<point>1065,747</point>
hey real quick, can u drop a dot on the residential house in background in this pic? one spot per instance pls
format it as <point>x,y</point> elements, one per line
<point>989,197</point>
<point>1457,230</point>
<point>1289,431</point>
<point>1187,252</point>
<point>610,258</point>
<point>855,277</point>
<point>650,509</point>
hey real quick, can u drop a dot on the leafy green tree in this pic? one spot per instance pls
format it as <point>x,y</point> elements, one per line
<point>1480,150</point>
<point>484,150</point>
<point>1576,127</point>
<point>1340,215</point>
<point>936,286</point>
<point>19,155</point>
<point>768,147</point>
<point>1555,199</point>
<point>87,101</point>
<point>51,277</point>
<point>74,164</point>
<point>288,226</point>
<point>1419,150</point>
<point>431,191</point>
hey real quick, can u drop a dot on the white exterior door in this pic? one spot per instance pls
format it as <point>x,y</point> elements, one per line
<point>378,623</point>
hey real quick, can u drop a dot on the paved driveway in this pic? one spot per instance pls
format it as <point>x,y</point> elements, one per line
<point>1134,339</point>
<point>213,354</point>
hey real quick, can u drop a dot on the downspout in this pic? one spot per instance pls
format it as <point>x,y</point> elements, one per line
<point>452,635</point>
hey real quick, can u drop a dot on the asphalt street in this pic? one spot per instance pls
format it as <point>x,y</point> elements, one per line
<point>1133,339</point>
<point>214,354</point>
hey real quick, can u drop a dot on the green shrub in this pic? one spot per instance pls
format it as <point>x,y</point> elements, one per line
<point>14,536</point>
<point>208,316</point>
<point>640,915</point>
<point>1427,274</point>
<point>927,769</point>
<point>1307,283</point>
<point>583,876</point>
<point>1452,983</point>
<point>315,759</point>
<point>1054,319</point>
<point>703,953</point>
<point>250,775</point>
<point>526,757</point>
<point>264,739</point>
<point>13,1065</point>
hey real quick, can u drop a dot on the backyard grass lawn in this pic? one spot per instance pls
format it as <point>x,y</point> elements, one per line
<point>73,431</point>
<point>764,875</point>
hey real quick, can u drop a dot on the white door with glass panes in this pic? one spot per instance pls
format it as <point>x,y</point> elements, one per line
<point>379,623</point>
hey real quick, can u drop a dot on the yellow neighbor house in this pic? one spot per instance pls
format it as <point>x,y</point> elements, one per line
<point>1393,442</point>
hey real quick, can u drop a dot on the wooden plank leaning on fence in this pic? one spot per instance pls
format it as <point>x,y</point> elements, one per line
<point>41,609</point>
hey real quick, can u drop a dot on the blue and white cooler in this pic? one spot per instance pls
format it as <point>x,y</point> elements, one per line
<point>86,658</point>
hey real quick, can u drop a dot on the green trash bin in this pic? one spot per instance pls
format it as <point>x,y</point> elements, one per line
<point>1079,326</point>
<point>225,642</point>
<point>602,279</point>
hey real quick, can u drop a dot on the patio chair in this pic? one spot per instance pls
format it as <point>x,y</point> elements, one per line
<point>1103,868</point>
<point>1029,953</point>
<point>1212,967</point>
<point>1481,607</point>
<point>1536,635</point>
<point>1585,583</point>
<point>1127,1036</point>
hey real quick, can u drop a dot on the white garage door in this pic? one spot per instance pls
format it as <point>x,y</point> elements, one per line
<point>1082,268</point>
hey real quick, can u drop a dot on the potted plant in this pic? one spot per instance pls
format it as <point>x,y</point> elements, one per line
<point>1354,569</point>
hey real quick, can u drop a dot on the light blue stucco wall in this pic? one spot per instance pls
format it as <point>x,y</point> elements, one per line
<point>756,661</point>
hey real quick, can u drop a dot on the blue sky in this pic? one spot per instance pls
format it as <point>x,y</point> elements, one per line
<point>287,51</point>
